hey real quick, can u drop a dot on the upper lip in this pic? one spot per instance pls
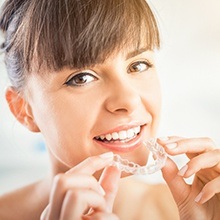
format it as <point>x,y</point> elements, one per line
<point>123,127</point>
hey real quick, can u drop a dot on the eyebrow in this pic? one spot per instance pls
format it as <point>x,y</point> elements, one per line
<point>135,53</point>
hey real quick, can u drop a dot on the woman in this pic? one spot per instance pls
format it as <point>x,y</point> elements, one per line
<point>83,74</point>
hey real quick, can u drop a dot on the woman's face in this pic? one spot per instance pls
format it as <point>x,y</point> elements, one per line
<point>111,106</point>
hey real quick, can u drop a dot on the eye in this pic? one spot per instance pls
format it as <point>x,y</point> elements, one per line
<point>139,66</point>
<point>81,79</point>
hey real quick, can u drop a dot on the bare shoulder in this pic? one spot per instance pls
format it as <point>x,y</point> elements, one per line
<point>150,201</point>
<point>163,201</point>
<point>24,203</point>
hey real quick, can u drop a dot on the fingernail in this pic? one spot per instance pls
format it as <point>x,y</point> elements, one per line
<point>163,138</point>
<point>198,198</point>
<point>183,170</point>
<point>106,155</point>
<point>171,146</point>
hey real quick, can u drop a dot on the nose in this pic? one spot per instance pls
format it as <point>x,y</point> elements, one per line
<point>123,98</point>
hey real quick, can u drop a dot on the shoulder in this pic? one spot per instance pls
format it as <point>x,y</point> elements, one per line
<point>23,203</point>
<point>160,198</point>
<point>140,185</point>
<point>158,194</point>
<point>151,201</point>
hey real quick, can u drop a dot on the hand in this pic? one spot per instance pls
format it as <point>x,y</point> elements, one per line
<point>76,194</point>
<point>201,199</point>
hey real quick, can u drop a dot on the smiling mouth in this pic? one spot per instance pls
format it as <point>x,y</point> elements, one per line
<point>123,136</point>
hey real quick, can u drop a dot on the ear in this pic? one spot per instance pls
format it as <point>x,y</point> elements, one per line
<point>21,109</point>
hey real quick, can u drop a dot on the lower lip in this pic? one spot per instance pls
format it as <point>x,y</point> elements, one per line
<point>123,147</point>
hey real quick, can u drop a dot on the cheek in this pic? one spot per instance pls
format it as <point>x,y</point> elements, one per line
<point>152,100</point>
<point>66,126</point>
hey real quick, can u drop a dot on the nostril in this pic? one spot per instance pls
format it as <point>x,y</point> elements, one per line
<point>121,110</point>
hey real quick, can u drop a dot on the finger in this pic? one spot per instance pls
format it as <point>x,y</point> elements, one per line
<point>178,187</point>
<point>209,190</point>
<point>109,181</point>
<point>175,145</point>
<point>76,202</point>
<point>206,160</point>
<point>169,139</point>
<point>63,183</point>
<point>101,216</point>
<point>44,214</point>
<point>93,164</point>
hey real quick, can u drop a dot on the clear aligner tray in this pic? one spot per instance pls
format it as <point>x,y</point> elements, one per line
<point>159,157</point>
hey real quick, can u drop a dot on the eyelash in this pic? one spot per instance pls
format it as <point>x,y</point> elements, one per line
<point>70,82</point>
<point>147,63</point>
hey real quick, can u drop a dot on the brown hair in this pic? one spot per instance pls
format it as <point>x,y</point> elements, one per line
<point>71,33</point>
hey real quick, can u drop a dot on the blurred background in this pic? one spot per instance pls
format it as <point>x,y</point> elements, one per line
<point>189,68</point>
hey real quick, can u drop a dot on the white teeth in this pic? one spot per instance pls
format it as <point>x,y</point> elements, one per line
<point>115,135</point>
<point>137,129</point>
<point>130,133</point>
<point>108,137</point>
<point>102,137</point>
<point>121,135</point>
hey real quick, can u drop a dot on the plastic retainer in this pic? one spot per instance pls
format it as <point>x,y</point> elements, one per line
<point>158,154</point>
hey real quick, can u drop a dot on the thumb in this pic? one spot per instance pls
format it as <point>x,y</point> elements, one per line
<point>109,181</point>
<point>178,187</point>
